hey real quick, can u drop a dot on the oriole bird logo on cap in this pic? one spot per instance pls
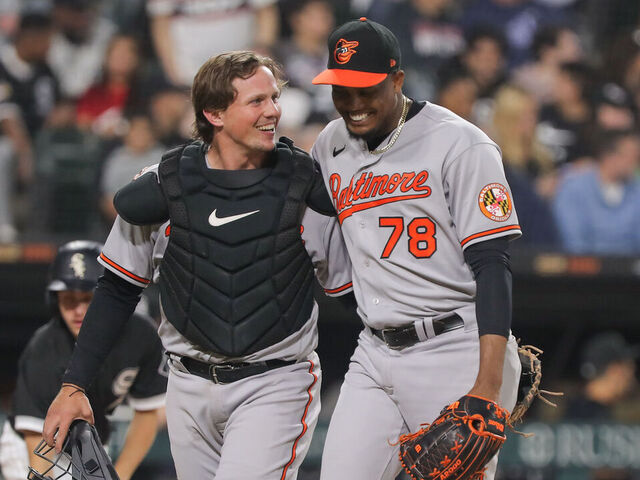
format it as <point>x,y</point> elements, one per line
<point>344,50</point>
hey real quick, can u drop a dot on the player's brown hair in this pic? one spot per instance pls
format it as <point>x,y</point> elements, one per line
<point>212,88</point>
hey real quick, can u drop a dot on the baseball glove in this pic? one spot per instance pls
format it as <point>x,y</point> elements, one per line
<point>529,388</point>
<point>458,444</point>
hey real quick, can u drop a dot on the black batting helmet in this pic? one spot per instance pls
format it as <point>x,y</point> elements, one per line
<point>75,268</point>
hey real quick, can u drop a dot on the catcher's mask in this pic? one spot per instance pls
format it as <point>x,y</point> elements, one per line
<point>75,268</point>
<point>82,457</point>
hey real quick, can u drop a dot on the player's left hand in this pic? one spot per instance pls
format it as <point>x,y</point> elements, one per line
<point>70,404</point>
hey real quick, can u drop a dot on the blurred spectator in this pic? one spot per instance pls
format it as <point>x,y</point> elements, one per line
<point>28,92</point>
<point>526,163</point>
<point>565,121</point>
<point>78,48</point>
<point>552,46</point>
<point>608,367</point>
<point>429,36</point>
<point>518,20</point>
<point>368,8</point>
<point>558,3</point>
<point>9,16</point>
<point>538,227</point>
<point>303,55</point>
<point>613,108</point>
<point>513,128</point>
<point>100,108</point>
<point>597,210</point>
<point>484,59</point>
<point>622,64</point>
<point>127,15</point>
<point>606,20</point>
<point>65,189</point>
<point>140,150</point>
<point>185,34</point>
<point>171,115</point>
<point>458,93</point>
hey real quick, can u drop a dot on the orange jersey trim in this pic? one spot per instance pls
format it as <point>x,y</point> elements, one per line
<point>302,420</point>
<point>488,232</point>
<point>347,212</point>
<point>339,289</point>
<point>123,270</point>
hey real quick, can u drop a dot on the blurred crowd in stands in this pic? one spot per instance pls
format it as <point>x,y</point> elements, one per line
<point>92,91</point>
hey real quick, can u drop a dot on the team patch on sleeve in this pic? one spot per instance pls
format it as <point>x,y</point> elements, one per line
<point>495,202</point>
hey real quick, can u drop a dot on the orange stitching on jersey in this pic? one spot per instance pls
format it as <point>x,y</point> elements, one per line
<point>487,232</point>
<point>123,270</point>
<point>302,420</point>
<point>347,212</point>
<point>339,289</point>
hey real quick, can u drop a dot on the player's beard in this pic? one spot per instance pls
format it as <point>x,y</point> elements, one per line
<point>375,136</point>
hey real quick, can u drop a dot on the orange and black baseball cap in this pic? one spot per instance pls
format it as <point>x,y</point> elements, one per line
<point>361,54</point>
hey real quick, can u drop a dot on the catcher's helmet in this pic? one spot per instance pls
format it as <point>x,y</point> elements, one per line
<point>75,268</point>
<point>82,457</point>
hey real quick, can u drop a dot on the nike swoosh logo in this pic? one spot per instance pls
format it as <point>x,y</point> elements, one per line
<point>338,152</point>
<point>216,221</point>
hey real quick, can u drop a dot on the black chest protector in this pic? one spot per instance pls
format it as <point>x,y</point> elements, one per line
<point>235,277</point>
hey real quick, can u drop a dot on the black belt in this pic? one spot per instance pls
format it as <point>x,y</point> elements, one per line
<point>230,372</point>
<point>403,337</point>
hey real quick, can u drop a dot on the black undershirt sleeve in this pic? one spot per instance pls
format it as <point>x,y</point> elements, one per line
<point>490,262</point>
<point>113,302</point>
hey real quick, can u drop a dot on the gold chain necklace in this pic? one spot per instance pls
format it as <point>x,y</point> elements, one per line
<point>403,117</point>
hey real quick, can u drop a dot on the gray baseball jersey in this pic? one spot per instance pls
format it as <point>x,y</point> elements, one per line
<point>406,216</point>
<point>268,417</point>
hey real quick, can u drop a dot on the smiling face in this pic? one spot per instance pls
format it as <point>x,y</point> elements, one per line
<point>249,122</point>
<point>371,112</point>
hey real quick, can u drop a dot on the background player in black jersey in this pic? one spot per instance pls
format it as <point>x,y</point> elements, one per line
<point>133,370</point>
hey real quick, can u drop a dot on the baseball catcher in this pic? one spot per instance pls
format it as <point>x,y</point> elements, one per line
<point>470,431</point>
<point>82,457</point>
